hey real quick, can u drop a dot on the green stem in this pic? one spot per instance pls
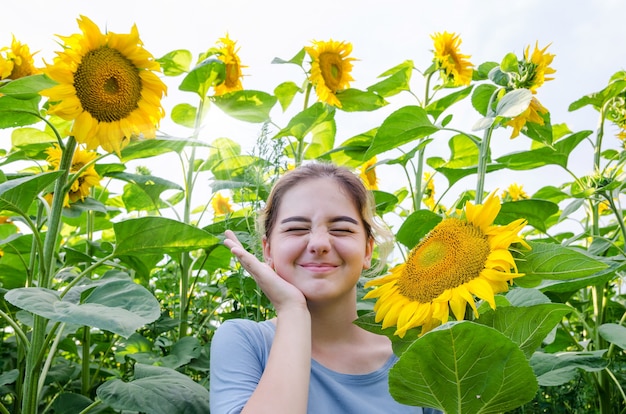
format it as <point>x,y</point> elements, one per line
<point>483,157</point>
<point>417,200</point>
<point>18,331</point>
<point>30,397</point>
<point>91,406</point>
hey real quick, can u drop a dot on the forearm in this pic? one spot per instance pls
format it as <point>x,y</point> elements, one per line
<point>284,385</point>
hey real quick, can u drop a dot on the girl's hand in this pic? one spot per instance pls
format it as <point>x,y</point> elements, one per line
<point>281,293</point>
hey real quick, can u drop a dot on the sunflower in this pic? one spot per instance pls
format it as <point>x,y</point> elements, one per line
<point>221,205</point>
<point>228,55</point>
<point>531,114</point>
<point>514,192</point>
<point>330,69</point>
<point>621,135</point>
<point>457,260</point>
<point>368,174</point>
<point>454,67</point>
<point>87,178</point>
<point>107,86</point>
<point>537,67</point>
<point>17,61</point>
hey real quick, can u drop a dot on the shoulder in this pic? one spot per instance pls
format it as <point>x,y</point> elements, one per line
<point>244,330</point>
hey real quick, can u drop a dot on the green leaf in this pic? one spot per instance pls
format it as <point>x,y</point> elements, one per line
<point>296,60</point>
<point>200,79</point>
<point>405,125</point>
<point>556,155</point>
<point>247,105</point>
<point>396,80</point>
<point>463,367</point>
<point>536,212</point>
<point>185,115</point>
<point>144,191</point>
<point>416,226</point>
<point>175,62</point>
<point>304,122</point>
<point>552,261</point>
<point>18,112</point>
<point>27,88</point>
<point>613,333</point>
<point>119,306</point>
<point>285,93</point>
<point>353,100</point>
<point>156,390</point>
<point>598,99</point>
<point>509,63</point>
<point>482,96</point>
<point>437,107</point>
<point>527,326</point>
<point>385,202</point>
<point>514,103</point>
<point>322,139</point>
<point>150,235</point>
<point>557,369</point>
<point>18,194</point>
<point>147,148</point>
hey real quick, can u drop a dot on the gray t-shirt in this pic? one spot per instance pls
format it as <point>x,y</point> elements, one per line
<point>239,352</point>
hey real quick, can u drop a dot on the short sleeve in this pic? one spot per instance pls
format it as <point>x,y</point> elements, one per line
<point>239,352</point>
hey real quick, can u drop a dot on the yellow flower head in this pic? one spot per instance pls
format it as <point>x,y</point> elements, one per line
<point>368,174</point>
<point>87,178</point>
<point>228,55</point>
<point>537,67</point>
<point>621,135</point>
<point>428,185</point>
<point>515,192</point>
<point>221,205</point>
<point>107,86</point>
<point>457,260</point>
<point>454,67</point>
<point>330,69</point>
<point>17,61</point>
<point>531,114</point>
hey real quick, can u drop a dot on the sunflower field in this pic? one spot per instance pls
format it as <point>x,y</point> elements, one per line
<point>113,277</point>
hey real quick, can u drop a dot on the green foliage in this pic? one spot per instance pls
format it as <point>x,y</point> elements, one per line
<point>109,303</point>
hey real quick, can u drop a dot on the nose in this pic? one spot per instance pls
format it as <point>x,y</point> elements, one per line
<point>319,241</point>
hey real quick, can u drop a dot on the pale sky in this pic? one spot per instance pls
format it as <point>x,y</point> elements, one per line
<point>586,36</point>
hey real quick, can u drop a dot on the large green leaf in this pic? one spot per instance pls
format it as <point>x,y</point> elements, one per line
<point>149,235</point>
<point>18,112</point>
<point>463,367</point>
<point>405,125</point>
<point>536,212</point>
<point>353,100</point>
<point>247,105</point>
<point>437,107</point>
<point>514,103</point>
<point>527,326</point>
<point>210,72</point>
<point>552,261</point>
<point>147,148</point>
<point>17,195</point>
<point>396,80</point>
<point>156,390</point>
<point>614,333</point>
<point>143,192</point>
<point>27,88</point>
<point>557,369</point>
<point>119,305</point>
<point>558,154</point>
<point>304,122</point>
<point>416,226</point>
<point>175,62</point>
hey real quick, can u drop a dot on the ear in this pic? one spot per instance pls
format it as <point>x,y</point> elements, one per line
<point>369,250</point>
<point>267,255</point>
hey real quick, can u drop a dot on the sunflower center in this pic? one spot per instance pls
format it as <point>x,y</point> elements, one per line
<point>107,84</point>
<point>453,253</point>
<point>332,69</point>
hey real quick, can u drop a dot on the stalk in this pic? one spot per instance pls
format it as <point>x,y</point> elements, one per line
<point>483,155</point>
<point>30,396</point>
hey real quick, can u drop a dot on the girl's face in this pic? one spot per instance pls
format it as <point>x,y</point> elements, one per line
<point>318,242</point>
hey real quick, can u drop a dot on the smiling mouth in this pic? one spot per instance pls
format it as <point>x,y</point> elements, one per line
<point>318,267</point>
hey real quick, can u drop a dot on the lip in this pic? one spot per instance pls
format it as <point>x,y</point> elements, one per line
<point>318,267</point>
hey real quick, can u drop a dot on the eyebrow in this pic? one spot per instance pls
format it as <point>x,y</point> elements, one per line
<point>332,220</point>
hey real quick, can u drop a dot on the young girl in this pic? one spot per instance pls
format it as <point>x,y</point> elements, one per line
<point>318,237</point>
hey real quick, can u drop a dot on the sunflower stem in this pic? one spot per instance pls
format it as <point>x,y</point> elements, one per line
<point>32,373</point>
<point>483,156</point>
